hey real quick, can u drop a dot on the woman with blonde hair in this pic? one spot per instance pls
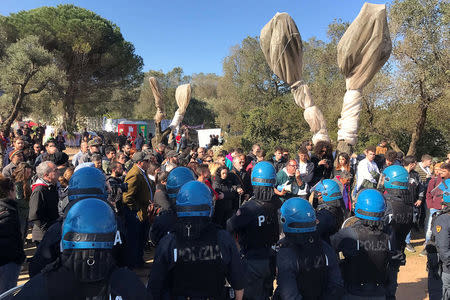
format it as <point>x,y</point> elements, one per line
<point>213,168</point>
<point>22,178</point>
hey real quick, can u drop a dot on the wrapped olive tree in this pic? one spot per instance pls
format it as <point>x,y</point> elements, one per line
<point>362,51</point>
<point>281,44</point>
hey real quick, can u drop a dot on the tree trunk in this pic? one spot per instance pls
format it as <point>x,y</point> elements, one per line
<point>394,146</point>
<point>159,136</point>
<point>420,125</point>
<point>6,126</point>
<point>69,116</point>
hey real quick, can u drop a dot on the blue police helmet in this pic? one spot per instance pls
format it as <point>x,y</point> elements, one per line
<point>90,224</point>
<point>87,182</point>
<point>194,200</point>
<point>177,177</point>
<point>329,189</point>
<point>84,165</point>
<point>264,174</point>
<point>370,205</point>
<point>298,216</point>
<point>445,188</point>
<point>396,177</point>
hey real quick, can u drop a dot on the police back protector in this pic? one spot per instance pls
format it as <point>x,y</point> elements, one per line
<point>337,212</point>
<point>312,267</point>
<point>370,263</point>
<point>199,269</point>
<point>401,219</point>
<point>263,230</point>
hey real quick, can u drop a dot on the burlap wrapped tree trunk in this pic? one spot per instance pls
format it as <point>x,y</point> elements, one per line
<point>362,51</point>
<point>160,113</point>
<point>183,97</point>
<point>281,44</point>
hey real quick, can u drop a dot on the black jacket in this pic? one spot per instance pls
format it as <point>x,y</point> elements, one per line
<point>241,178</point>
<point>278,165</point>
<point>223,207</point>
<point>161,199</point>
<point>321,171</point>
<point>115,192</point>
<point>43,208</point>
<point>11,244</point>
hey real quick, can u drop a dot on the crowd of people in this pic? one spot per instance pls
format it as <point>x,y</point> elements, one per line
<point>197,206</point>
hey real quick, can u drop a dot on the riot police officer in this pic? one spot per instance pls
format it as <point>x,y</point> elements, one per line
<point>438,249</point>
<point>399,215</point>
<point>165,200</point>
<point>86,268</point>
<point>257,227</point>
<point>86,182</point>
<point>307,266</point>
<point>367,248</point>
<point>330,212</point>
<point>193,261</point>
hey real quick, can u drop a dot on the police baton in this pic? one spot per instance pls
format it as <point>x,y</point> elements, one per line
<point>10,292</point>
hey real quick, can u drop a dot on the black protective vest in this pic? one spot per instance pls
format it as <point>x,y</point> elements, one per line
<point>369,265</point>
<point>61,284</point>
<point>401,220</point>
<point>444,211</point>
<point>337,212</point>
<point>263,230</point>
<point>199,269</point>
<point>312,268</point>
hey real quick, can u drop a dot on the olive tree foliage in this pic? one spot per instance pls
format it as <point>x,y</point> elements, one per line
<point>103,73</point>
<point>405,103</point>
<point>260,107</point>
<point>27,71</point>
<point>420,36</point>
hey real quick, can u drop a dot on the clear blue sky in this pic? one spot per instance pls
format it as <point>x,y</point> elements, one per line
<point>196,35</point>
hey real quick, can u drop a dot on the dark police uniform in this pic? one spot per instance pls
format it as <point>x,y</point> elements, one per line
<point>48,249</point>
<point>56,282</point>
<point>399,215</point>
<point>196,268</point>
<point>330,220</point>
<point>162,225</point>
<point>438,253</point>
<point>368,251</point>
<point>307,270</point>
<point>257,227</point>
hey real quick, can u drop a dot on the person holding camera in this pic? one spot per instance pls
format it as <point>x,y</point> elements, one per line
<point>323,161</point>
<point>116,184</point>
<point>289,182</point>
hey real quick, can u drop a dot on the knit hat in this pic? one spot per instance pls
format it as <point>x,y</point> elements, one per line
<point>14,153</point>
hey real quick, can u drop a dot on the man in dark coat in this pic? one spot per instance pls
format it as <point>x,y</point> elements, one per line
<point>44,200</point>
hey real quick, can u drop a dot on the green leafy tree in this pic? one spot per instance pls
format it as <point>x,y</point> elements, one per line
<point>420,35</point>
<point>102,70</point>
<point>26,70</point>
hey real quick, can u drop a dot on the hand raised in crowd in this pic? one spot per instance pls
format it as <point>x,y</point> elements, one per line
<point>323,162</point>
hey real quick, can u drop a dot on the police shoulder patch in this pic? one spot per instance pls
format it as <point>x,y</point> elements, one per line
<point>238,213</point>
<point>438,228</point>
